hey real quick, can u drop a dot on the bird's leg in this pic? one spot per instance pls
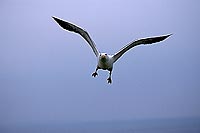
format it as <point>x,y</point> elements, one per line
<point>95,73</point>
<point>109,78</point>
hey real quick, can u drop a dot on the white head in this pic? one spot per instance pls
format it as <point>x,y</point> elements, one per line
<point>105,61</point>
<point>103,57</point>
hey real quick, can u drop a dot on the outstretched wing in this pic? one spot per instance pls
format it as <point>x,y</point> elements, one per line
<point>149,40</point>
<point>71,27</point>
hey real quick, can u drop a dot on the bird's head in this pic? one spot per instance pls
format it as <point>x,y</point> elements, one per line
<point>103,57</point>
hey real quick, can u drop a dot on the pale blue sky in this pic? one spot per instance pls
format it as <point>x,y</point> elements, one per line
<point>45,72</point>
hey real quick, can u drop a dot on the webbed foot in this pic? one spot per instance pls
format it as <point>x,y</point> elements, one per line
<point>109,80</point>
<point>95,74</point>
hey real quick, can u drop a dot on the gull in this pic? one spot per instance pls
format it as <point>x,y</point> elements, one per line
<point>104,60</point>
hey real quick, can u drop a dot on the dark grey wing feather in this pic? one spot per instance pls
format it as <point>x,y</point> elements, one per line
<point>71,27</point>
<point>149,40</point>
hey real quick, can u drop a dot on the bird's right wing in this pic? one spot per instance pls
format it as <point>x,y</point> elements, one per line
<point>148,40</point>
<point>71,27</point>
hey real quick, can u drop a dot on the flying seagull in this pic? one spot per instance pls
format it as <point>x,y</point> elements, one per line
<point>106,61</point>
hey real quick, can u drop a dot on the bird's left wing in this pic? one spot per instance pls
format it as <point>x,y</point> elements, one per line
<point>71,27</point>
<point>149,40</point>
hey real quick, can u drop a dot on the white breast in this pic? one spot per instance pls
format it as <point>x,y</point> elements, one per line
<point>107,63</point>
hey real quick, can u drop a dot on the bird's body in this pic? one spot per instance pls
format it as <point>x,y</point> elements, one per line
<point>105,61</point>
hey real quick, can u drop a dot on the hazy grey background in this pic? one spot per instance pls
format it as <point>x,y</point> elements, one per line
<point>45,72</point>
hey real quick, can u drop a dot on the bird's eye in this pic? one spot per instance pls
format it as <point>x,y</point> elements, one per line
<point>105,54</point>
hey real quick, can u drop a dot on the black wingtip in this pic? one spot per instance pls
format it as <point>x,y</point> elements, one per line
<point>55,18</point>
<point>60,22</point>
<point>161,38</point>
<point>169,35</point>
